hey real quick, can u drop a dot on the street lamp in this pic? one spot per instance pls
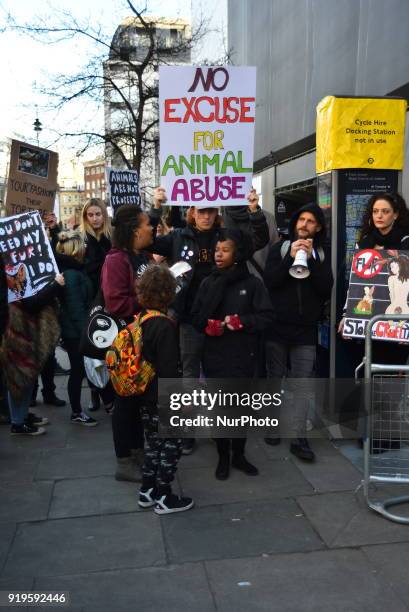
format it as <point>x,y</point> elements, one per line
<point>37,125</point>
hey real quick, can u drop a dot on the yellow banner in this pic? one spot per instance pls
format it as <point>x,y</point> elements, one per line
<point>360,133</point>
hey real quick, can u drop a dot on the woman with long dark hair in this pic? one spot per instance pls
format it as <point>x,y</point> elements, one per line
<point>385,226</point>
<point>123,265</point>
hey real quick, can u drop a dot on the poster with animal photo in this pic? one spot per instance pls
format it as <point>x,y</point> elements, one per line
<point>379,284</point>
<point>32,179</point>
<point>28,257</point>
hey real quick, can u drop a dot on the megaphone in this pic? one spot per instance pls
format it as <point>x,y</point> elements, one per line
<point>299,269</point>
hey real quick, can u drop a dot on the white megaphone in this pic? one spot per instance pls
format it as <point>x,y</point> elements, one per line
<point>299,269</point>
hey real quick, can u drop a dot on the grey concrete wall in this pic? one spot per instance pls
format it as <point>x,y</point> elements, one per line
<point>307,49</point>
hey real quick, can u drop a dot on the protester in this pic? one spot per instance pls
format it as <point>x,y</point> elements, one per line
<point>75,302</point>
<point>31,335</point>
<point>231,308</point>
<point>195,244</point>
<point>125,262</point>
<point>51,367</point>
<point>156,291</point>
<point>96,230</point>
<point>385,225</point>
<point>297,306</point>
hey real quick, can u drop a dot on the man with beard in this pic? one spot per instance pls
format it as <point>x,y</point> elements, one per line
<point>297,305</point>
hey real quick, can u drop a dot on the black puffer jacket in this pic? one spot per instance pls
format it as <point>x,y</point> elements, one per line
<point>181,244</point>
<point>234,354</point>
<point>298,303</point>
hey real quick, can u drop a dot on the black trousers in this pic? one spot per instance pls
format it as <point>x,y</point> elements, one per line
<point>47,378</point>
<point>77,373</point>
<point>127,427</point>
<point>161,455</point>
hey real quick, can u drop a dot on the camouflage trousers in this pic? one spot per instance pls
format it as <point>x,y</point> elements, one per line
<point>161,455</point>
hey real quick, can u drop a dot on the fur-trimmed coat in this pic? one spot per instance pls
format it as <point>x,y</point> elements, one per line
<point>30,337</point>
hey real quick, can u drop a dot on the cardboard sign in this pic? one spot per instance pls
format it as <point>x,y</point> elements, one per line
<point>27,254</point>
<point>32,180</point>
<point>207,134</point>
<point>360,133</point>
<point>123,187</point>
<point>379,284</point>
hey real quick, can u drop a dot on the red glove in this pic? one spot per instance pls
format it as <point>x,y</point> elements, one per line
<point>214,327</point>
<point>233,322</point>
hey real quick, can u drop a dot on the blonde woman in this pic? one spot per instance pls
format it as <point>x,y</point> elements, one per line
<point>75,301</point>
<point>96,230</point>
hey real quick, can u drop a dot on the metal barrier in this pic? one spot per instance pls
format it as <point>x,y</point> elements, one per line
<point>386,445</point>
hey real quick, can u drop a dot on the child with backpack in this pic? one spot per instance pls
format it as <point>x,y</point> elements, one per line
<point>232,307</point>
<point>141,354</point>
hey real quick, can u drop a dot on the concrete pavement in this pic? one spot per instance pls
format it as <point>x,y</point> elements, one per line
<point>295,538</point>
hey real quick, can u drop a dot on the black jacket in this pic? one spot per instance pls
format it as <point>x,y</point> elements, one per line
<point>234,353</point>
<point>297,303</point>
<point>178,244</point>
<point>95,255</point>
<point>3,299</point>
<point>160,348</point>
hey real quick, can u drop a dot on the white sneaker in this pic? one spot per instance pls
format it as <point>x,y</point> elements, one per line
<point>170,503</point>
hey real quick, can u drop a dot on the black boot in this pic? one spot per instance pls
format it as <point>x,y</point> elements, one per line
<point>301,449</point>
<point>223,467</point>
<point>240,463</point>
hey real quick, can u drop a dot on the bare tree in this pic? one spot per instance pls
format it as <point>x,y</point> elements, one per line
<point>120,79</point>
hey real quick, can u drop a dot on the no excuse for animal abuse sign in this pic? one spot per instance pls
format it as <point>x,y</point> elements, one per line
<point>207,134</point>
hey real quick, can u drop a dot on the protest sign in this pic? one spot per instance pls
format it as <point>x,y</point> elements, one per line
<point>32,179</point>
<point>379,284</point>
<point>207,134</point>
<point>123,187</point>
<point>27,254</point>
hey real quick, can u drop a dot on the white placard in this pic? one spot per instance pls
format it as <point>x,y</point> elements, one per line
<point>207,117</point>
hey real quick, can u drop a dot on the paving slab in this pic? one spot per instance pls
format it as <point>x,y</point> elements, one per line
<point>85,544</point>
<point>277,479</point>
<point>336,581</point>
<point>7,532</point>
<point>392,562</point>
<point>54,438</point>
<point>27,501</point>
<point>331,471</point>
<point>17,464</point>
<point>170,588</point>
<point>76,463</point>
<point>343,519</point>
<point>235,530</point>
<point>88,496</point>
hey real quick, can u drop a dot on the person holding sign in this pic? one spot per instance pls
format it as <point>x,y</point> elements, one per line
<point>196,245</point>
<point>385,226</point>
<point>30,338</point>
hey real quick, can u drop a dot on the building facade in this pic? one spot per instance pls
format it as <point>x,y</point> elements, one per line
<point>305,50</point>
<point>122,92</point>
<point>71,202</point>
<point>94,179</point>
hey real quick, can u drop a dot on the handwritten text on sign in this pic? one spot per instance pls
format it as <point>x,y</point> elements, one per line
<point>207,134</point>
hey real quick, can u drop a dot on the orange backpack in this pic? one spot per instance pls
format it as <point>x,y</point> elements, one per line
<point>130,372</point>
